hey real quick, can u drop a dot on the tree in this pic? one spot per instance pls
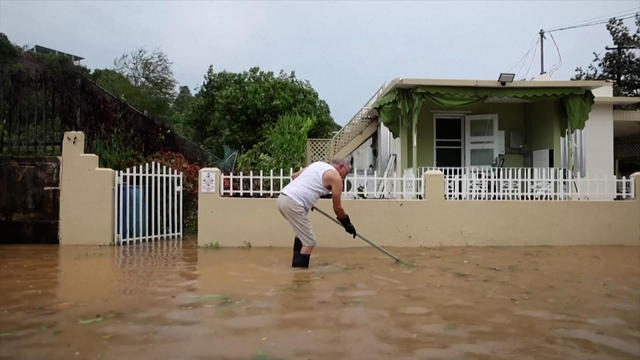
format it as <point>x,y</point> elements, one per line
<point>183,101</point>
<point>139,98</point>
<point>150,71</point>
<point>283,148</point>
<point>239,109</point>
<point>620,65</point>
<point>8,51</point>
<point>181,107</point>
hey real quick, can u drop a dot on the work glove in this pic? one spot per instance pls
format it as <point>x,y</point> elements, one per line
<point>348,226</point>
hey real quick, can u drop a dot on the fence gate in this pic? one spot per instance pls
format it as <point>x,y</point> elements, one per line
<point>148,204</point>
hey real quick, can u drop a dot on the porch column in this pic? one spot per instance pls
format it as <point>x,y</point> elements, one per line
<point>414,139</point>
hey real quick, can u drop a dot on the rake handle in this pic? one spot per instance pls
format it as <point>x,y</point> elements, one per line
<point>358,235</point>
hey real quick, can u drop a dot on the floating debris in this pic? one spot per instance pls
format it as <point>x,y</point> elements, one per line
<point>90,321</point>
<point>408,264</point>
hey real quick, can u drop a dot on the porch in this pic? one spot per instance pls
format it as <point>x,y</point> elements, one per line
<point>473,126</point>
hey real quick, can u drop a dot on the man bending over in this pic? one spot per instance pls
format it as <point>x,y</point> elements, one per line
<point>299,196</point>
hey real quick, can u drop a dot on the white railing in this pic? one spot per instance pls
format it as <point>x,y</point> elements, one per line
<point>522,184</point>
<point>475,183</point>
<point>148,204</point>
<point>361,185</point>
<point>356,186</point>
<point>255,185</point>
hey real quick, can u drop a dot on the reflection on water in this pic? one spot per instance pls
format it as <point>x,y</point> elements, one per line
<point>155,267</point>
<point>173,300</point>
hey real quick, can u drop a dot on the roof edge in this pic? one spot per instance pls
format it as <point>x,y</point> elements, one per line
<point>617,100</point>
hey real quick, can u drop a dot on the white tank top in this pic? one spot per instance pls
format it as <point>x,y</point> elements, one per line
<point>307,188</point>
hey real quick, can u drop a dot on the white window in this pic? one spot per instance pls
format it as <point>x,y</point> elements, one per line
<point>481,140</point>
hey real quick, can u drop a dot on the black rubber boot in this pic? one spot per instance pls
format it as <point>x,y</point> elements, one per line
<point>300,260</point>
<point>297,245</point>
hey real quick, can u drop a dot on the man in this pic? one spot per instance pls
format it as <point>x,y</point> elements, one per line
<point>297,198</point>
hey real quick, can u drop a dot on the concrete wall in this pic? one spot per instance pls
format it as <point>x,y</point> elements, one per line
<point>86,195</point>
<point>429,222</point>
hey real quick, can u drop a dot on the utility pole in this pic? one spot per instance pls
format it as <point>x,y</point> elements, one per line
<point>619,61</point>
<point>541,52</point>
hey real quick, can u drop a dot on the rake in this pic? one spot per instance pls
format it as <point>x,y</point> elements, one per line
<point>397,259</point>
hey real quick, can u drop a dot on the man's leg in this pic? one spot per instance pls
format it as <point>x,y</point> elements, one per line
<point>299,260</point>
<point>297,245</point>
<point>304,241</point>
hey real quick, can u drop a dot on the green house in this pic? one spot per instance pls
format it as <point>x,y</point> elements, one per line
<point>411,125</point>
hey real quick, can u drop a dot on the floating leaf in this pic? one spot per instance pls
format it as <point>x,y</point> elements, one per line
<point>408,264</point>
<point>89,321</point>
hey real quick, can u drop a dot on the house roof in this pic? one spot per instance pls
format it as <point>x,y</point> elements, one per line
<point>413,82</point>
<point>617,100</point>
<point>45,50</point>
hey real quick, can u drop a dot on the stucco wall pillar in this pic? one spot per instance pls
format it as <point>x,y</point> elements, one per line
<point>208,197</point>
<point>434,186</point>
<point>86,195</point>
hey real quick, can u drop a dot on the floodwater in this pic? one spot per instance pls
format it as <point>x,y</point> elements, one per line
<point>172,300</point>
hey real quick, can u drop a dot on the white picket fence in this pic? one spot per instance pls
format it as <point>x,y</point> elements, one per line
<point>356,186</point>
<point>462,183</point>
<point>148,204</point>
<point>364,185</point>
<point>475,183</point>
<point>258,185</point>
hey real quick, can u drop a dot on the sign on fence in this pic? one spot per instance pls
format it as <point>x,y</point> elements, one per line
<point>208,181</point>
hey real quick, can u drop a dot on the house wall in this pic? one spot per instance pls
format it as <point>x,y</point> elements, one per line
<point>511,117</point>
<point>598,141</point>
<point>544,121</point>
<point>541,123</point>
<point>86,195</point>
<point>433,221</point>
<point>363,156</point>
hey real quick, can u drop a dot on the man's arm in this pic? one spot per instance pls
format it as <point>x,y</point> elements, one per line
<point>333,181</point>
<point>336,196</point>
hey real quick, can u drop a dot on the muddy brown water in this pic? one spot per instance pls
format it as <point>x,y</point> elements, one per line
<point>172,300</point>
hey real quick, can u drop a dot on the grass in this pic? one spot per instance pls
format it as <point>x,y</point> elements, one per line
<point>408,264</point>
<point>213,246</point>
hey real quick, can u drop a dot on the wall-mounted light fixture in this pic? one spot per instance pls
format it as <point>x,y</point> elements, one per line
<point>505,78</point>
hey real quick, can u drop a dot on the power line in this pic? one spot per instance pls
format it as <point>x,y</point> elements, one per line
<point>590,22</point>
<point>603,17</point>
<point>554,68</point>
<point>532,60</point>
<point>603,21</point>
<point>526,54</point>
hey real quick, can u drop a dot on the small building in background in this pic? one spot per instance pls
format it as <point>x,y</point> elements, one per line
<point>45,50</point>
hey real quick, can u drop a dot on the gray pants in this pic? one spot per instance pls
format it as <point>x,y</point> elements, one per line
<point>296,215</point>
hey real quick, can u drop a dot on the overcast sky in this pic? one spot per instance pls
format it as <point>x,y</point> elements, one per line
<point>345,49</point>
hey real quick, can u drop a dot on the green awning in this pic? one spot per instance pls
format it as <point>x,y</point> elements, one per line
<point>406,103</point>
